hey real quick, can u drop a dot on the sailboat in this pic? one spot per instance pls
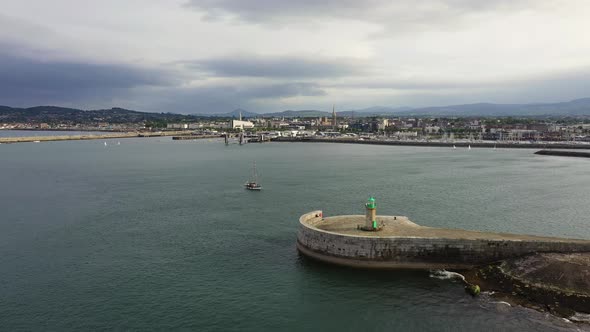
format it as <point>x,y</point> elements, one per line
<point>469,147</point>
<point>454,147</point>
<point>253,184</point>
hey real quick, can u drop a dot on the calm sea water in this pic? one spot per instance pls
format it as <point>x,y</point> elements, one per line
<point>155,234</point>
<point>25,133</point>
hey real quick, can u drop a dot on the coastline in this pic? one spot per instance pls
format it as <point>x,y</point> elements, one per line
<point>553,282</point>
<point>106,135</point>
<point>503,145</point>
<point>579,154</point>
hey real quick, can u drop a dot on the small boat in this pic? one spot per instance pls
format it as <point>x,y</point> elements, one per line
<point>36,141</point>
<point>469,147</point>
<point>105,143</point>
<point>118,143</point>
<point>253,184</point>
<point>454,147</point>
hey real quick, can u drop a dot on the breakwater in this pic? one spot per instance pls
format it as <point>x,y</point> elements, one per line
<point>404,244</point>
<point>192,137</point>
<point>499,145</point>
<point>564,153</point>
<point>8,140</point>
<point>111,135</point>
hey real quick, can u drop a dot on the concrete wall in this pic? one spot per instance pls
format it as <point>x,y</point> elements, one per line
<point>414,252</point>
<point>497,144</point>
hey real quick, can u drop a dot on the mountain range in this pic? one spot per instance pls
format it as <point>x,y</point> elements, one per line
<point>570,108</point>
<point>577,107</point>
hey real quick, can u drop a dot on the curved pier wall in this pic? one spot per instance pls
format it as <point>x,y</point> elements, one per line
<point>414,252</point>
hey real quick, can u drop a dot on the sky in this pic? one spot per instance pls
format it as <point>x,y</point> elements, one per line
<point>213,56</point>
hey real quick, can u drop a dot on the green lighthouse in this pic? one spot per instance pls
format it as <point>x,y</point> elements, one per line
<point>371,214</point>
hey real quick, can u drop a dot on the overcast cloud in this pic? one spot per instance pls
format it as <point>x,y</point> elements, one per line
<point>197,56</point>
<point>277,66</point>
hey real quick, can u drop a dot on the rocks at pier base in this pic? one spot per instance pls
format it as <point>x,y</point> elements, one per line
<point>562,153</point>
<point>554,282</point>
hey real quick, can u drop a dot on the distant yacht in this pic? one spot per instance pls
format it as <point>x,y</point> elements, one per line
<point>253,184</point>
<point>469,147</point>
<point>454,147</point>
<point>118,143</point>
<point>105,143</point>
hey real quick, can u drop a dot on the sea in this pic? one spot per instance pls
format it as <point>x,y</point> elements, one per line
<point>155,234</point>
<point>30,133</point>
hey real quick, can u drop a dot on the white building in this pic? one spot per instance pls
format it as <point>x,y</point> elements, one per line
<point>238,124</point>
<point>177,126</point>
<point>432,129</point>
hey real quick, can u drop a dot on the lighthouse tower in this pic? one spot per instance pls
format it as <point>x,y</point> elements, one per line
<point>371,215</point>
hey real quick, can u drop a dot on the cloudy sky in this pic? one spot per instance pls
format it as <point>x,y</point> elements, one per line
<point>207,56</point>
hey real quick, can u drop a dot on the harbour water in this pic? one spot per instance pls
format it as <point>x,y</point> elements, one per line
<point>29,133</point>
<point>160,234</point>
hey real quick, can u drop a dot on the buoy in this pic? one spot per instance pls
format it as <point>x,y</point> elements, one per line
<point>473,290</point>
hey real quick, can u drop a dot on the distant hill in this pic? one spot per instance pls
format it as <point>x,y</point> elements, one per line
<point>54,114</point>
<point>377,110</point>
<point>236,114</point>
<point>299,114</point>
<point>381,110</point>
<point>571,108</point>
<point>576,107</point>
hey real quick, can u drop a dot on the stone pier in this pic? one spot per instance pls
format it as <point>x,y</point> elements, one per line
<point>403,244</point>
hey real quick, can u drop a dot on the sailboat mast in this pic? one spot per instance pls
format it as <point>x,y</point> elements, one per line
<point>254,175</point>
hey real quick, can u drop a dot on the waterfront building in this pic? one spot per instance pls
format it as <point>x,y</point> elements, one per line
<point>238,124</point>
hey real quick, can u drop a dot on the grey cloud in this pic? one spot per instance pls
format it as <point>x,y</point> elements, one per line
<point>25,81</point>
<point>282,90</point>
<point>28,81</point>
<point>416,85</point>
<point>275,10</point>
<point>224,98</point>
<point>560,81</point>
<point>554,87</point>
<point>385,12</point>
<point>277,66</point>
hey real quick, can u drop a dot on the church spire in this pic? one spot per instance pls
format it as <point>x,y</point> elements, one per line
<point>334,124</point>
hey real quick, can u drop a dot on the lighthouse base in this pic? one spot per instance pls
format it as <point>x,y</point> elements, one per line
<point>369,229</point>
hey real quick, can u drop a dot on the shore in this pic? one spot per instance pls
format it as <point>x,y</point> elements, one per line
<point>555,282</point>
<point>564,153</point>
<point>461,144</point>
<point>106,135</point>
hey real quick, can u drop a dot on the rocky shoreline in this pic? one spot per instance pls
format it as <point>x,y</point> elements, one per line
<point>553,282</point>
<point>562,153</point>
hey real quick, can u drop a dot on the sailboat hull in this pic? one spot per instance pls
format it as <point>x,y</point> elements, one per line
<point>252,186</point>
